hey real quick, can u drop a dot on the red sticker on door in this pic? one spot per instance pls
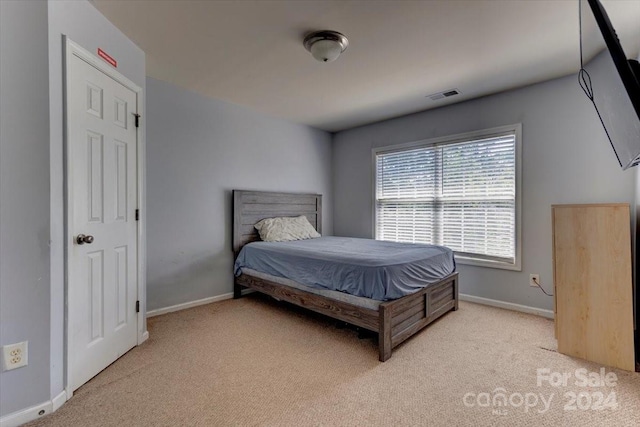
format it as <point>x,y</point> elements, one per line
<point>102,54</point>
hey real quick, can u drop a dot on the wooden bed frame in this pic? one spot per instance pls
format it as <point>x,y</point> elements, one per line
<point>394,321</point>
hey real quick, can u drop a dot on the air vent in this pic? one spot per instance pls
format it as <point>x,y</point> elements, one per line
<point>445,94</point>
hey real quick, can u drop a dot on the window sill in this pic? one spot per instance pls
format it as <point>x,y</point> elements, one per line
<point>487,263</point>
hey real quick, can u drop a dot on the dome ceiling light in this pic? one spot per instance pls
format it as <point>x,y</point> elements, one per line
<point>325,45</point>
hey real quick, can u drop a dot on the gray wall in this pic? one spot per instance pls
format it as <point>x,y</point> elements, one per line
<point>83,24</point>
<point>566,158</point>
<point>199,149</point>
<point>24,200</point>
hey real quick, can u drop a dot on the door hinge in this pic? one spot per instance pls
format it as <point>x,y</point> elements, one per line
<point>137,116</point>
<point>137,214</point>
<point>137,306</point>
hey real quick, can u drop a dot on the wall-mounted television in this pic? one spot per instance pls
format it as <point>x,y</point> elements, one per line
<point>611,81</point>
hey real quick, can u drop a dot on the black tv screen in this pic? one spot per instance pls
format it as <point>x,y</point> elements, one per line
<point>611,81</point>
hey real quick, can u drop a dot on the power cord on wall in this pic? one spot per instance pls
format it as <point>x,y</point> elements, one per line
<point>534,280</point>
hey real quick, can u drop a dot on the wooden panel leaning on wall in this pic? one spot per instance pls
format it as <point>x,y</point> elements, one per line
<point>593,283</point>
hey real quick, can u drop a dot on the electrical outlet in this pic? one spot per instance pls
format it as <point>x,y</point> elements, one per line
<point>534,279</point>
<point>15,355</point>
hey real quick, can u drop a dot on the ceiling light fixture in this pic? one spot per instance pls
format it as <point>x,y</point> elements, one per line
<point>325,45</point>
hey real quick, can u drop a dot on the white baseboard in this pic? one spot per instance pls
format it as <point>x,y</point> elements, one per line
<point>191,304</point>
<point>26,415</point>
<point>59,400</point>
<point>507,305</point>
<point>183,306</point>
<point>34,412</point>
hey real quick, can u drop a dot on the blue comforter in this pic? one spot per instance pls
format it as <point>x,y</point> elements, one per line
<point>368,268</point>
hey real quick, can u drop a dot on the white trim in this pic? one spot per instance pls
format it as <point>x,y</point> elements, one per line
<point>448,139</point>
<point>143,334</point>
<point>507,305</point>
<point>196,303</point>
<point>73,49</point>
<point>33,413</point>
<point>485,133</point>
<point>59,400</point>
<point>21,417</point>
<point>191,304</point>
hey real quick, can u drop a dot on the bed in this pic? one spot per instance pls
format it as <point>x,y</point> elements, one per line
<point>394,321</point>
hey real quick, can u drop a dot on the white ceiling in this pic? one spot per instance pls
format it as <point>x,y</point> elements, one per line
<point>250,52</point>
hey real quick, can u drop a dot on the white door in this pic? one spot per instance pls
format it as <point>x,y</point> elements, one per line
<point>102,194</point>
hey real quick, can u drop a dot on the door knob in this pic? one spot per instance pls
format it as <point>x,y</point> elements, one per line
<point>82,239</point>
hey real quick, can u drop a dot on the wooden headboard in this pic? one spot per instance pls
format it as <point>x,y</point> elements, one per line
<point>249,207</point>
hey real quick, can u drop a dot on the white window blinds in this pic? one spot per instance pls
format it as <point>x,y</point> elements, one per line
<point>461,195</point>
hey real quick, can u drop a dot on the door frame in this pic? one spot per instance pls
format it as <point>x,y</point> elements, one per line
<point>73,49</point>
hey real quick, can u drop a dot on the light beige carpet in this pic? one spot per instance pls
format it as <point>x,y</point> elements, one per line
<point>257,362</point>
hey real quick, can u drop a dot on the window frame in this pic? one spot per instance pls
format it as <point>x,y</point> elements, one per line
<point>516,129</point>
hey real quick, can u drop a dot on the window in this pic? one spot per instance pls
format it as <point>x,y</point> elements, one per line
<point>460,192</point>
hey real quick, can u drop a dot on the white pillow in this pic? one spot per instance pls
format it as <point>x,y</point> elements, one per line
<point>284,229</point>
